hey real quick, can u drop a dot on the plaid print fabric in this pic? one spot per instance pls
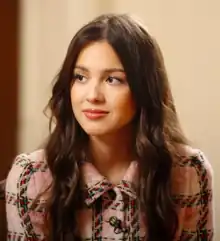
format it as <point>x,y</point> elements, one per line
<point>110,212</point>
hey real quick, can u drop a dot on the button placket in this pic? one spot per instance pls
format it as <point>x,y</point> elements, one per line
<point>118,221</point>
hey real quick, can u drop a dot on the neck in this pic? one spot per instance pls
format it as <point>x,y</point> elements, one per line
<point>112,154</point>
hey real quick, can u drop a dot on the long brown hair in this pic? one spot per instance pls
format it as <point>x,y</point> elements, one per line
<point>158,131</point>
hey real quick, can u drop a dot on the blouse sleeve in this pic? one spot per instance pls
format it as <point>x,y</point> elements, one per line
<point>19,225</point>
<point>198,217</point>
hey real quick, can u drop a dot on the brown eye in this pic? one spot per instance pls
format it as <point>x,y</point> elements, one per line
<point>113,80</point>
<point>79,78</point>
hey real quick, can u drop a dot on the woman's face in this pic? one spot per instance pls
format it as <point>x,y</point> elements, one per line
<point>101,98</point>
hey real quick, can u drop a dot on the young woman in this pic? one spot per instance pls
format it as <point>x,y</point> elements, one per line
<point>116,165</point>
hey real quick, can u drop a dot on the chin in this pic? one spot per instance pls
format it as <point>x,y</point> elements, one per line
<point>96,131</point>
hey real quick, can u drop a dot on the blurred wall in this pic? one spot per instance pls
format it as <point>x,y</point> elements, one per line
<point>46,28</point>
<point>188,33</point>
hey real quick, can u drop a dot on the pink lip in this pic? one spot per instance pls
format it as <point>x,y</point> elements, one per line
<point>94,113</point>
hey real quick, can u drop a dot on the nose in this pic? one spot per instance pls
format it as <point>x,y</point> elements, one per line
<point>95,93</point>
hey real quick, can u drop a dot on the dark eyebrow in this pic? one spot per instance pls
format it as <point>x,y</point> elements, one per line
<point>110,70</point>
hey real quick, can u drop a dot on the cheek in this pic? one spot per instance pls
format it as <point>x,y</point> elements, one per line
<point>75,97</point>
<point>125,104</point>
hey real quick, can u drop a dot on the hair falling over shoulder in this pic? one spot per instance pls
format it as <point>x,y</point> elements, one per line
<point>158,131</point>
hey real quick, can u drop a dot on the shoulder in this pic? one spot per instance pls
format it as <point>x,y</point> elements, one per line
<point>192,173</point>
<point>28,175</point>
<point>193,195</point>
<point>195,162</point>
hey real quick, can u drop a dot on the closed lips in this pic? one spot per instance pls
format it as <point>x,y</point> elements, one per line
<point>95,111</point>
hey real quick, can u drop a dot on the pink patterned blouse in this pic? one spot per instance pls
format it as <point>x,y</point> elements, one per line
<point>111,212</point>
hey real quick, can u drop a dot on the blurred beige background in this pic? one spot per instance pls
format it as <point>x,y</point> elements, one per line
<point>188,32</point>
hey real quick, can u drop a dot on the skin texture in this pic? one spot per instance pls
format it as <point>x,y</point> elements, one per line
<point>99,82</point>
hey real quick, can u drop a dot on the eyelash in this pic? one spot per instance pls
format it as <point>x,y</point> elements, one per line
<point>80,76</point>
<point>114,78</point>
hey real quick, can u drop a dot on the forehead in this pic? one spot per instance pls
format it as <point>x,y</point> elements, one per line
<point>99,55</point>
